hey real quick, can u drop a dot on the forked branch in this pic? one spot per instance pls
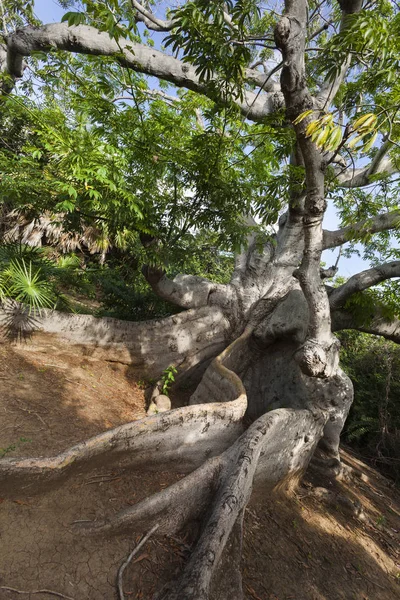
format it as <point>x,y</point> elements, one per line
<point>150,20</point>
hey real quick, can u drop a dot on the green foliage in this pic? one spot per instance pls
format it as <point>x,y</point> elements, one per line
<point>209,40</point>
<point>111,159</point>
<point>373,425</point>
<point>112,16</point>
<point>168,378</point>
<point>127,296</point>
<point>28,277</point>
<point>123,292</point>
<point>137,166</point>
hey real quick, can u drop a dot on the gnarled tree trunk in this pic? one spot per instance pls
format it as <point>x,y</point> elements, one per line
<point>271,390</point>
<point>253,422</point>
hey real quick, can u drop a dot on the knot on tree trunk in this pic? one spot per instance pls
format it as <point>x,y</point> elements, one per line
<point>316,360</point>
<point>282,32</point>
<point>312,359</point>
<point>316,205</point>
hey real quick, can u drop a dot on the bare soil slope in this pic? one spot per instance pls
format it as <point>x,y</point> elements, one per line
<point>52,396</point>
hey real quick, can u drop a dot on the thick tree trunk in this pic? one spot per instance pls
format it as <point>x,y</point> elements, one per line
<point>270,390</point>
<point>256,379</point>
<point>253,423</point>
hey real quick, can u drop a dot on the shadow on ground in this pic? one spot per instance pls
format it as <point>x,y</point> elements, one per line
<point>294,549</point>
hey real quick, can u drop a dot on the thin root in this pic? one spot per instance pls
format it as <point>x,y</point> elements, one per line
<point>50,592</point>
<point>128,560</point>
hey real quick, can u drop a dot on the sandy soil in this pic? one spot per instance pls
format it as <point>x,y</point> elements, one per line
<point>294,549</point>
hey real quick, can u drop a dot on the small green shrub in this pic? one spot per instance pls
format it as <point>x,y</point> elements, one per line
<point>168,379</point>
<point>373,425</point>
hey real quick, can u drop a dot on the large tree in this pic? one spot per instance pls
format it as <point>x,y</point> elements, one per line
<point>318,79</point>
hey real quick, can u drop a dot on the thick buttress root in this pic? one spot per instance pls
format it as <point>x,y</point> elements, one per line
<point>181,439</point>
<point>273,449</point>
<point>224,465</point>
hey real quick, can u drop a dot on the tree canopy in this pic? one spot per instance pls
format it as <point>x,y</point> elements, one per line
<point>171,134</point>
<point>131,123</point>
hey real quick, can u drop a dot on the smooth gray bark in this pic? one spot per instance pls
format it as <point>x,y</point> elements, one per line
<point>382,222</point>
<point>263,343</point>
<point>84,39</point>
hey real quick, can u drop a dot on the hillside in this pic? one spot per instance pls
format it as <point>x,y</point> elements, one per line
<point>308,547</point>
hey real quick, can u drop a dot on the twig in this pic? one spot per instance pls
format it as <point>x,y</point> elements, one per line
<point>82,521</point>
<point>128,560</point>
<point>10,589</point>
<point>32,412</point>
<point>102,480</point>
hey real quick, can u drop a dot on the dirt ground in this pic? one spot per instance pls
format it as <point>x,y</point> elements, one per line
<point>294,549</point>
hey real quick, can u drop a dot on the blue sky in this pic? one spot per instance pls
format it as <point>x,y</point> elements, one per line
<point>49,11</point>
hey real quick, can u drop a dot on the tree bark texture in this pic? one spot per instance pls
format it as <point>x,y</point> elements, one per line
<point>261,348</point>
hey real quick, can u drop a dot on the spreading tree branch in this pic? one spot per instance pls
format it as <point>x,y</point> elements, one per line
<point>363,281</point>
<point>390,220</point>
<point>84,39</point>
<point>186,291</point>
<point>378,325</point>
<point>381,164</point>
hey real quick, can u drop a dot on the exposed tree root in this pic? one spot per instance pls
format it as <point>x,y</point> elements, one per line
<point>256,450</point>
<point>28,592</point>
<point>224,465</point>
<point>180,439</point>
<point>172,508</point>
<point>188,338</point>
<point>128,560</point>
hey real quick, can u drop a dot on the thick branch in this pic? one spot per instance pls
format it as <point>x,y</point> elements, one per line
<point>187,291</point>
<point>290,35</point>
<point>363,281</point>
<point>381,164</point>
<point>84,39</point>
<point>390,220</point>
<point>330,88</point>
<point>252,261</point>
<point>378,325</point>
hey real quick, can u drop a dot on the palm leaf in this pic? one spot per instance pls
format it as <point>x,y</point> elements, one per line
<point>27,285</point>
